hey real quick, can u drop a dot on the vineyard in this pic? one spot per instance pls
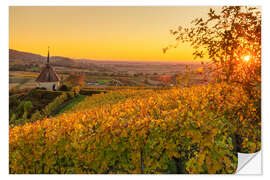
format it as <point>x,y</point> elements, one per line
<point>194,130</point>
<point>109,98</point>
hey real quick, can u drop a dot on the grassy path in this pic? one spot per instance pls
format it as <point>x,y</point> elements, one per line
<point>69,104</point>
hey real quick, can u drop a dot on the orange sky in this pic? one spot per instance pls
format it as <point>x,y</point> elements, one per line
<point>101,33</point>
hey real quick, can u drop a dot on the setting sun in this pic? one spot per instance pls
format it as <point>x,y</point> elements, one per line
<point>246,58</point>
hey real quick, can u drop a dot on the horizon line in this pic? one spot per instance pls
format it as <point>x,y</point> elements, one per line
<point>118,60</point>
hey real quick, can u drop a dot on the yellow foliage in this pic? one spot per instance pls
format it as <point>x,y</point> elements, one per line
<point>144,130</point>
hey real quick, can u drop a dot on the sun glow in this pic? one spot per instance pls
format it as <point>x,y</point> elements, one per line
<point>247,58</point>
<point>100,32</point>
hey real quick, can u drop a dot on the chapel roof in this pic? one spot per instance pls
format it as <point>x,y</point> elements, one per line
<point>47,73</point>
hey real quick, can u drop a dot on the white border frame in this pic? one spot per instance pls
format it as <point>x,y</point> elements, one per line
<point>4,40</point>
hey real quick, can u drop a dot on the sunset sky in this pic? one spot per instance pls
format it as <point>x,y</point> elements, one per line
<point>101,33</point>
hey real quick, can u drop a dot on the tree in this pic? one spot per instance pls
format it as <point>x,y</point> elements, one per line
<point>24,107</point>
<point>231,40</point>
<point>63,88</point>
<point>36,116</point>
<point>76,90</point>
<point>166,80</point>
<point>75,79</point>
<point>27,106</point>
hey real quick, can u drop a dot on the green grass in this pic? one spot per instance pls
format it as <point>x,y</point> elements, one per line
<point>102,81</point>
<point>108,98</point>
<point>70,104</point>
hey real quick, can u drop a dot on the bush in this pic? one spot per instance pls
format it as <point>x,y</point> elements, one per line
<point>32,101</point>
<point>40,88</point>
<point>50,108</point>
<point>76,90</point>
<point>36,116</point>
<point>63,88</point>
<point>21,114</point>
<point>71,94</point>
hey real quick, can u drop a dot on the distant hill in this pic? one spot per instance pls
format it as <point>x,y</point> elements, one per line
<point>17,57</point>
<point>21,60</point>
<point>26,58</point>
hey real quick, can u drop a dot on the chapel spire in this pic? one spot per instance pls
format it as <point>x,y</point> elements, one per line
<point>48,58</point>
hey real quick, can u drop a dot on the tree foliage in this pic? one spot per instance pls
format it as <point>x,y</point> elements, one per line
<point>228,38</point>
<point>165,80</point>
<point>231,40</point>
<point>75,80</point>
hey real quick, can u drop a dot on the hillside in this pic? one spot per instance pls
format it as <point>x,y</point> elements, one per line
<point>17,58</point>
<point>181,130</point>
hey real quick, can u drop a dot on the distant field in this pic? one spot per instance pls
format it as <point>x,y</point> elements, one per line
<point>22,79</point>
<point>23,74</point>
<point>97,73</point>
<point>24,69</point>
